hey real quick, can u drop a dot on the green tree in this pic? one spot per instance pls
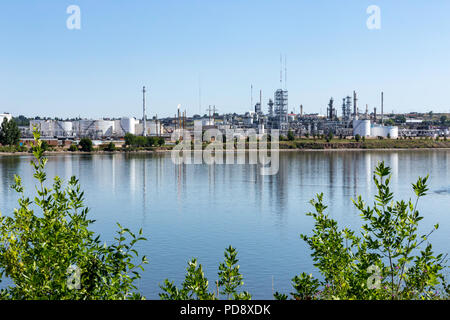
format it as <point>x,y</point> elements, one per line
<point>357,138</point>
<point>151,141</point>
<point>387,261</point>
<point>130,139</point>
<point>290,135</point>
<point>86,145</point>
<point>443,119</point>
<point>329,136</point>
<point>9,133</point>
<point>48,252</point>
<point>161,141</point>
<point>196,285</point>
<point>22,121</point>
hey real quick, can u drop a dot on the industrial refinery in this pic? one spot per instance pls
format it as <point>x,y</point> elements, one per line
<point>346,120</point>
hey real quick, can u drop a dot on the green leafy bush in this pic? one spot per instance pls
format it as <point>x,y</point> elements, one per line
<point>48,251</point>
<point>73,147</point>
<point>110,147</point>
<point>290,135</point>
<point>196,285</point>
<point>383,262</point>
<point>86,145</point>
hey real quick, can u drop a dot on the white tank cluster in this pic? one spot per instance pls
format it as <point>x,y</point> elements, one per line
<point>95,128</point>
<point>366,129</point>
<point>384,131</point>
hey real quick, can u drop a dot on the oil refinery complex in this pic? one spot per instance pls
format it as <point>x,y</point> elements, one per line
<point>345,120</point>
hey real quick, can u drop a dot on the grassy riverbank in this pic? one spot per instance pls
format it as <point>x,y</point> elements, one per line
<point>303,144</point>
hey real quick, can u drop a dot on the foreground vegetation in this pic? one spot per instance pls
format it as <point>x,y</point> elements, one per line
<point>387,260</point>
<point>48,252</point>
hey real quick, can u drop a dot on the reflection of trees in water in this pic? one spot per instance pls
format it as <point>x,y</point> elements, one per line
<point>9,166</point>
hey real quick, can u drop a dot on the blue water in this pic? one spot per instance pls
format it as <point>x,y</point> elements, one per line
<point>197,210</point>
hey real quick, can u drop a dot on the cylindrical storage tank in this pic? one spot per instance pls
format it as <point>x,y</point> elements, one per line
<point>85,126</point>
<point>154,127</point>
<point>393,132</point>
<point>66,126</point>
<point>128,125</point>
<point>104,127</point>
<point>361,127</point>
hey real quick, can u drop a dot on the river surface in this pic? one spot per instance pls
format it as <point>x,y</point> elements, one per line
<point>198,210</point>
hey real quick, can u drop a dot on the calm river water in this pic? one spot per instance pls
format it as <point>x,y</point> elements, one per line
<point>198,210</point>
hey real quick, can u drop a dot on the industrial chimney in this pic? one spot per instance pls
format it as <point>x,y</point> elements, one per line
<point>144,117</point>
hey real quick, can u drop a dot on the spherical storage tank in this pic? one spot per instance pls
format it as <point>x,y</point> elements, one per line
<point>361,127</point>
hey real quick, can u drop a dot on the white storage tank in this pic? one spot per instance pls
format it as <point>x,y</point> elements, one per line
<point>393,132</point>
<point>104,127</point>
<point>64,128</point>
<point>154,127</point>
<point>46,127</point>
<point>382,131</point>
<point>83,127</point>
<point>128,125</point>
<point>361,127</point>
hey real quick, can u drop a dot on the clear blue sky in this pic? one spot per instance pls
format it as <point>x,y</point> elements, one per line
<point>168,46</point>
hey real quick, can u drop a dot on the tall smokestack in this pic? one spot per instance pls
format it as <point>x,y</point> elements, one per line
<point>382,106</point>
<point>144,117</point>
<point>354,105</point>
<point>260,100</point>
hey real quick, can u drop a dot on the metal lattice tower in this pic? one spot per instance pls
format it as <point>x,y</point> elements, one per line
<point>281,107</point>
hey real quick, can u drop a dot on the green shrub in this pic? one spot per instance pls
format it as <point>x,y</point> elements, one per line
<point>73,147</point>
<point>357,138</point>
<point>196,285</point>
<point>329,136</point>
<point>110,147</point>
<point>86,145</point>
<point>387,261</point>
<point>48,252</point>
<point>290,135</point>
